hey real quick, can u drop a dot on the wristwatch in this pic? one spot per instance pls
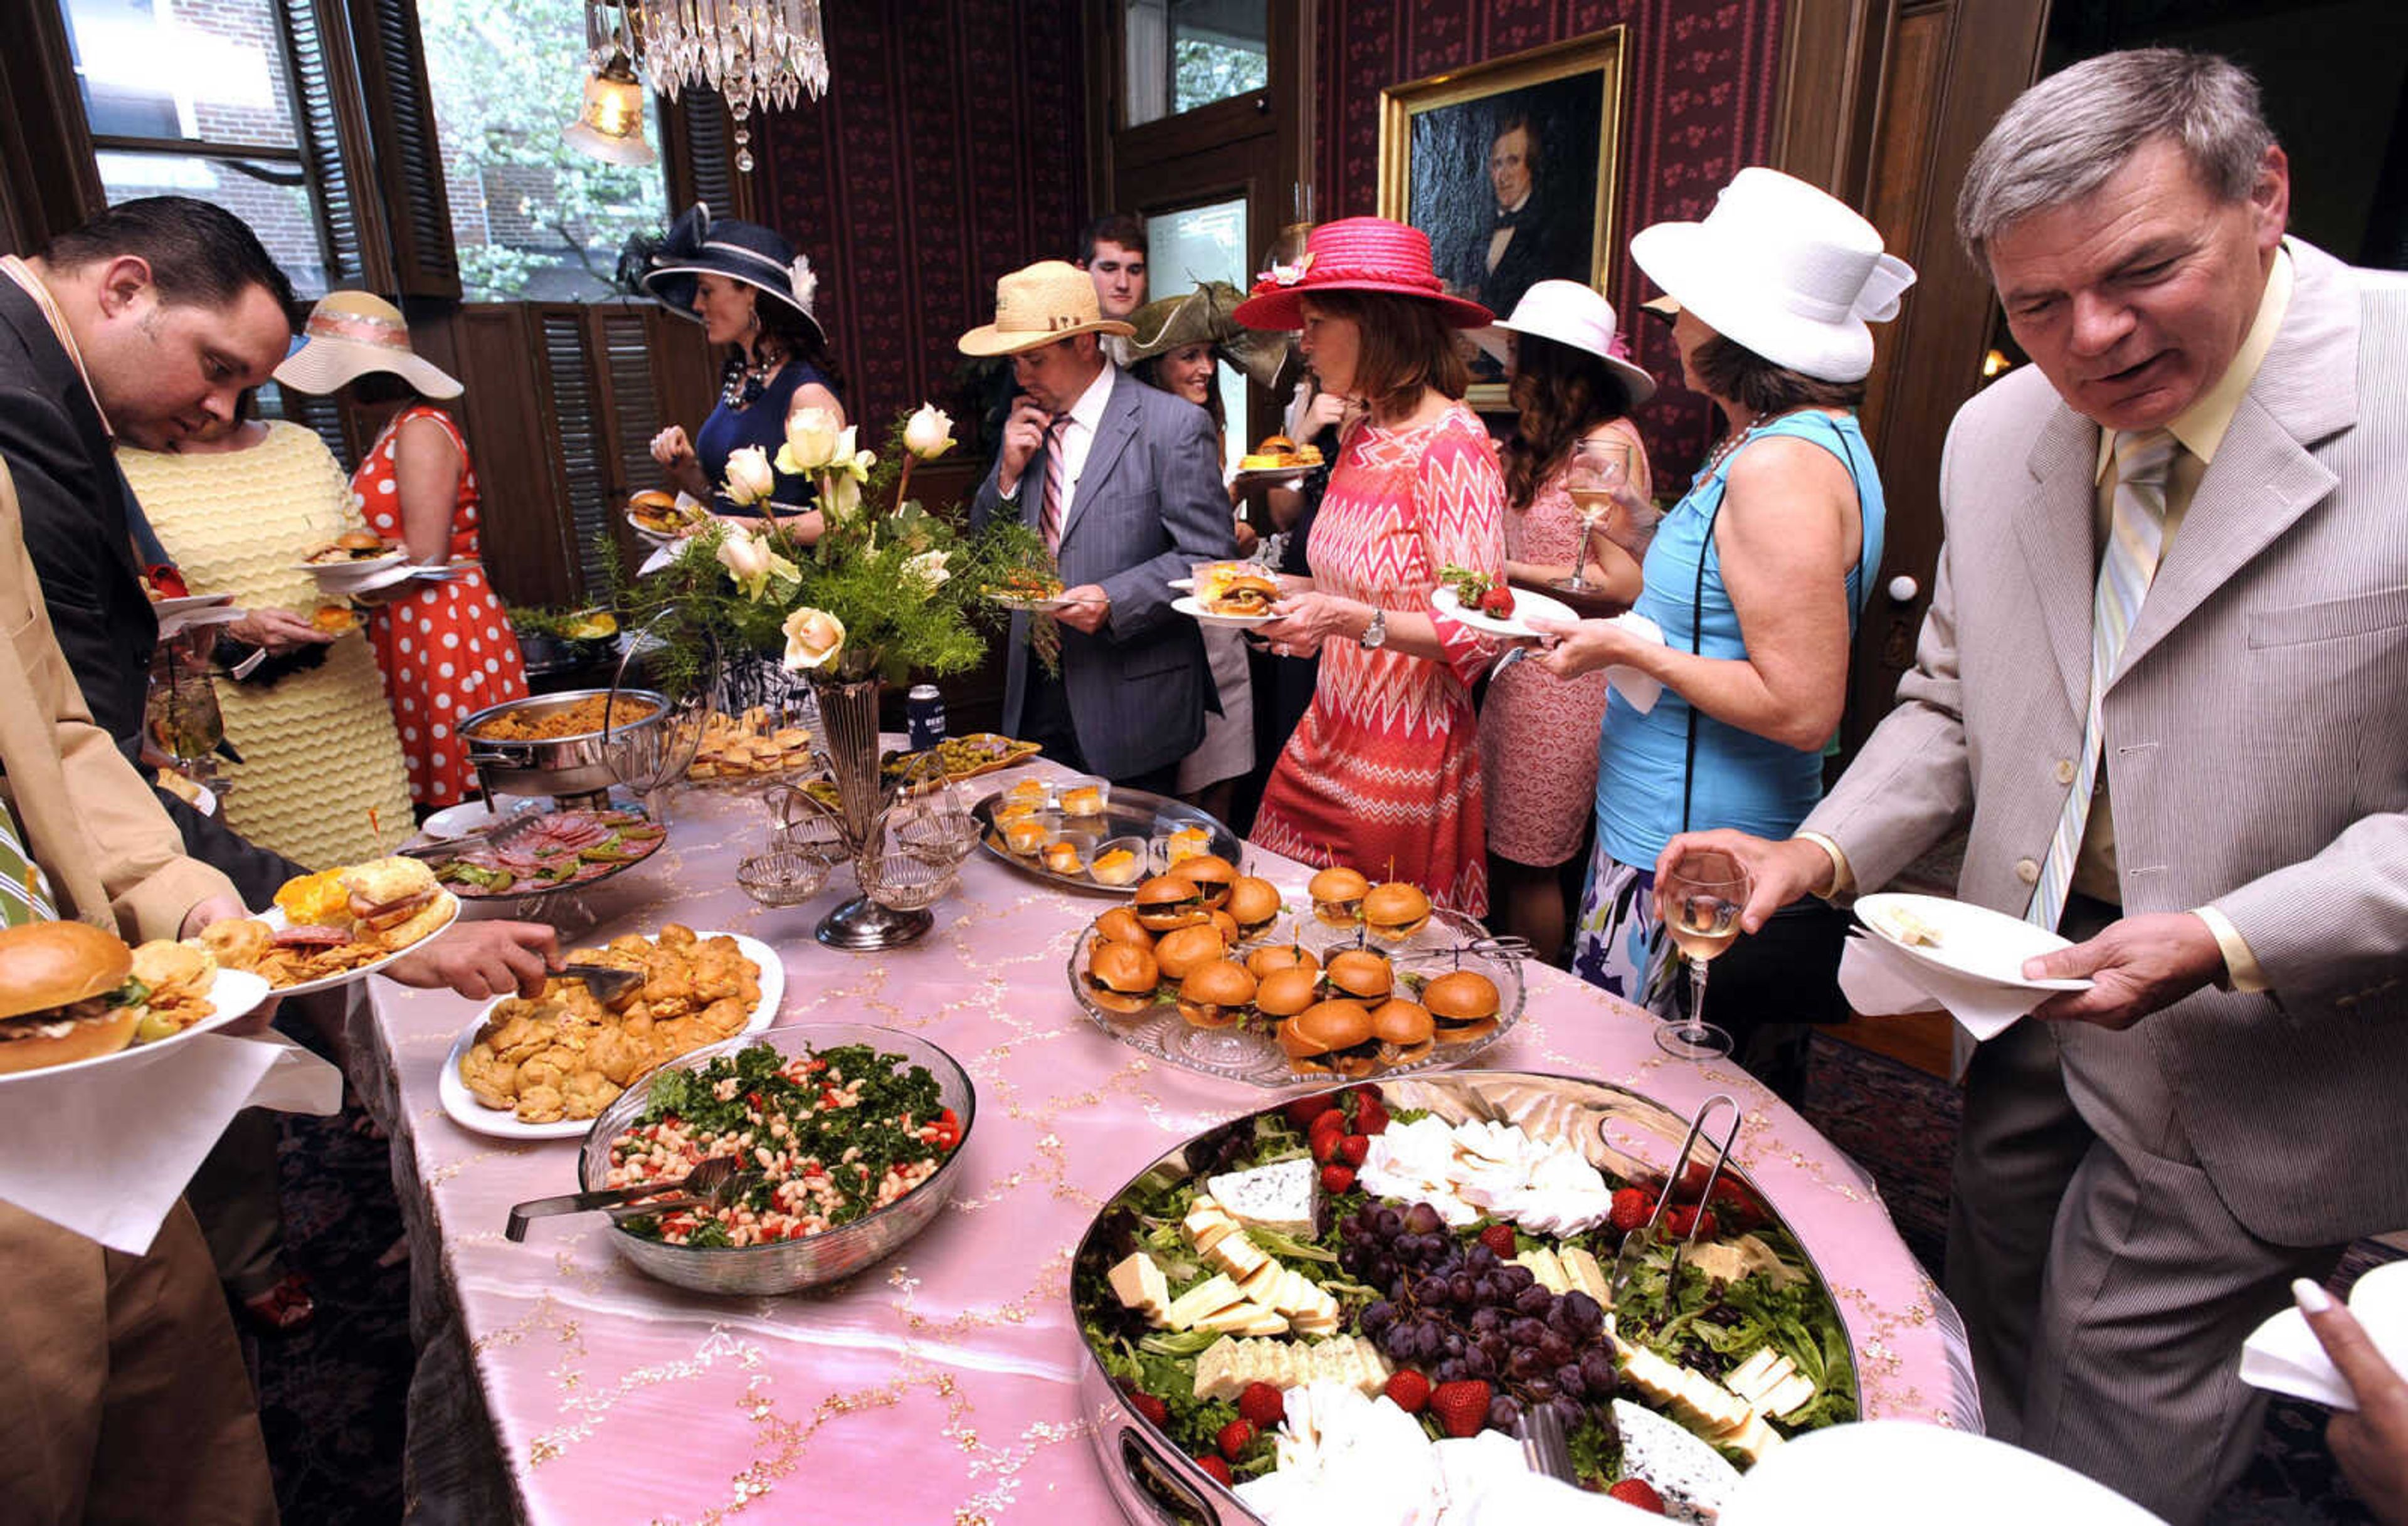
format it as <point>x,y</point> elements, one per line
<point>1375,634</point>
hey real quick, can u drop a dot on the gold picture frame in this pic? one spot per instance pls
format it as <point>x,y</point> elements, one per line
<point>1449,151</point>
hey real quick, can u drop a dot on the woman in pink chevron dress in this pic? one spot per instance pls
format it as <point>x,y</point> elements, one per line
<point>1383,772</point>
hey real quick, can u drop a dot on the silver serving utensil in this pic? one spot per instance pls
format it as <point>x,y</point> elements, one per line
<point>1624,1257</point>
<point>1507,947</point>
<point>499,835</point>
<point>605,981</point>
<point>708,1185</point>
<point>1542,1433</point>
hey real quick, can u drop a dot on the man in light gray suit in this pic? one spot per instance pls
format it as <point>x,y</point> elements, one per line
<point>1124,483</point>
<point>2200,490</point>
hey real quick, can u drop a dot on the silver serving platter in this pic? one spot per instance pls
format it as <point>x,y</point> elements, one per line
<point>1624,1134</point>
<point>1238,1054</point>
<point>790,1265</point>
<point>1126,813</point>
<point>576,764</point>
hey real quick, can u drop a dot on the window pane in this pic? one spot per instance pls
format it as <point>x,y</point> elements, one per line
<point>271,195</point>
<point>1182,54</point>
<point>1206,243</point>
<point>160,68</point>
<point>532,218</point>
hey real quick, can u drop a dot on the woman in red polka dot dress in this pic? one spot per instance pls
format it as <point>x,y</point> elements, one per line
<point>446,647</point>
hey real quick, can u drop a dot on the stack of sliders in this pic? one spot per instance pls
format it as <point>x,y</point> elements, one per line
<point>70,992</point>
<point>1234,588</point>
<point>1393,912</point>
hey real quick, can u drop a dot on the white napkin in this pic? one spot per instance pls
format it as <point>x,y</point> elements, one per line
<point>106,1151</point>
<point>1640,690</point>
<point>659,558</point>
<point>1878,978</point>
<point>191,620</point>
<point>2284,1355</point>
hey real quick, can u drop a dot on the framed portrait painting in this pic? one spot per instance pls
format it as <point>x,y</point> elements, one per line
<point>1511,167</point>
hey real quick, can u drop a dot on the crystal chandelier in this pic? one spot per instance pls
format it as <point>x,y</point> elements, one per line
<point>754,52</point>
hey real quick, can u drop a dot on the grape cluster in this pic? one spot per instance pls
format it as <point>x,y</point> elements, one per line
<point>1458,1312</point>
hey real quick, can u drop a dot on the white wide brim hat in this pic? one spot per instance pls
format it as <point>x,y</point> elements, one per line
<point>1572,314</point>
<point>1781,269</point>
<point>352,334</point>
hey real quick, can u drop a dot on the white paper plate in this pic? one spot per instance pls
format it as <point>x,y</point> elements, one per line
<point>1526,604</point>
<point>353,567</point>
<point>1201,615</point>
<point>2284,1356</point>
<point>232,993</point>
<point>652,537</point>
<point>1185,585</point>
<point>275,919</point>
<point>1974,941</point>
<point>1903,1473</point>
<point>189,602</point>
<point>1271,475</point>
<point>384,576</point>
<point>472,816</point>
<point>477,1117</point>
<point>1034,607</point>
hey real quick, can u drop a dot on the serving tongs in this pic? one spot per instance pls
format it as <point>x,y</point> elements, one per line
<point>709,1185</point>
<point>1626,1258</point>
<point>607,982</point>
<point>1490,948</point>
<point>1543,1447</point>
<point>500,835</point>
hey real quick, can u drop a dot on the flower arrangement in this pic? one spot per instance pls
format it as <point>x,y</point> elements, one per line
<point>885,592</point>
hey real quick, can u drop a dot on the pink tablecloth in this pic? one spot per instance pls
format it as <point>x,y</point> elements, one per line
<point>939,1385</point>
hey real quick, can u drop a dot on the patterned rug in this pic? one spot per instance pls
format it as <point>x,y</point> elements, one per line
<point>333,1395</point>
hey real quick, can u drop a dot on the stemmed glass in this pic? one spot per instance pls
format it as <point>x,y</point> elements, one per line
<point>1699,903</point>
<point>181,710</point>
<point>1598,468</point>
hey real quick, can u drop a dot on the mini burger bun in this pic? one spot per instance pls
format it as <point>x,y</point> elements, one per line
<point>1361,974</point>
<point>1314,1038</point>
<point>360,540</point>
<point>1255,903</point>
<point>654,499</point>
<point>1216,994</point>
<point>1212,874</point>
<point>1464,1002</point>
<point>1396,910</point>
<point>1120,925</point>
<point>45,966</point>
<point>1403,1029</point>
<point>1121,977</point>
<point>1283,994</point>
<point>1338,895</point>
<point>1183,951</point>
<point>1281,956</point>
<point>1168,900</point>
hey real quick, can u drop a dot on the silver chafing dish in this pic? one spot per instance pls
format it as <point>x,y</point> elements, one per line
<point>576,764</point>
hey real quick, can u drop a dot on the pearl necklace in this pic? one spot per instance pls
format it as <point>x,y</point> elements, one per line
<point>741,383</point>
<point>1729,443</point>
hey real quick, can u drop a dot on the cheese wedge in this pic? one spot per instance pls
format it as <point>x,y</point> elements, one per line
<point>1206,1225</point>
<point>1243,1319</point>
<point>1587,1275</point>
<point>1791,1395</point>
<point>1279,1196</point>
<point>1211,1296</point>
<point>1546,1268</point>
<point>1139,1284</point>
<point>1235,1254</point>
<point>1751,1440</point>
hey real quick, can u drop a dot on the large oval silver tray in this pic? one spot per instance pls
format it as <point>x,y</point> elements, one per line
<point>1127,813</point>
<point>1239,1054</point>
<point>1630,1137</point>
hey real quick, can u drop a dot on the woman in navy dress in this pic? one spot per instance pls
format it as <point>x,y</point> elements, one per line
<point>754,296</point>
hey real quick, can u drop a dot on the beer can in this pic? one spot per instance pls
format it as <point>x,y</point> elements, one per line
<point>926,707</point>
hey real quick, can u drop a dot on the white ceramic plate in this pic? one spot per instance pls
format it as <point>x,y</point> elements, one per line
<point>352,567</point>
<point>277,921</point>
<point>477,1117</point>
<point>1185,585</point>
<point>1526,604</point>
<point>1974,941</point>
<point>189,602</point>
<point>1034,607</point>
<point>1271,476</point>
<point>655,538</point>
<point>382,577</point>
<point>232,993</point>
<point>1187,606</point>
<point>472,816</point>
<point>1885,1471</point>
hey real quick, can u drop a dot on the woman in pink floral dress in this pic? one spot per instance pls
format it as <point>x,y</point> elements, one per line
<point>1538,733</point>
<point>1383,772</point>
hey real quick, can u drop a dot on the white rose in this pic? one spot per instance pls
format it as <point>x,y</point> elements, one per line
<point>744,554</point>
<point>813,638</point>
<point>840,497</point>
<point>927,572</point>
<point>929,433</point>
<point>810,440</point>
<point>749,479</point>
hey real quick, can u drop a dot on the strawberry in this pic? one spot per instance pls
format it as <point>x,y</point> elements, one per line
<point>1336,1178</point>
<point>1631,1207</point>
<point>1234,1438</point>
<point>1498,601</point>
<point>1262,1405</point>
<point>1500,1238</point>
<point>1680,1221</point>
<point>1218,1469</point>
<point>1305,1111</point>
<point>1326,1143</point>
<point>1332,1121</point>
<point>1408,1389</point>
<point>1636,1492</point>
<point>1154,1409</point>
<point>1353,1148</point>
<point>1461,1406</point>
<point>1371,1114</point>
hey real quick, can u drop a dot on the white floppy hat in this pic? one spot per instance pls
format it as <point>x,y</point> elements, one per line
<point>1783,270</point>
<point>351,334</point>
<point>1572,314</point>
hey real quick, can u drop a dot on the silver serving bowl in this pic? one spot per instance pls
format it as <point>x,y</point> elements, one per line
<point>1625,1136</point>
<point>575,765</point>
<point>787,1266</point>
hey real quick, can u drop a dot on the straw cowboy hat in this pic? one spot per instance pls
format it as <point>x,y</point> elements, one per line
<point>1038,304</point>
<point>352,334</point>
<point>739,252</point>
<point>1572,314</point>
<point>1205,317</point>
<point>1781,269</point>
<point>1356,254</point>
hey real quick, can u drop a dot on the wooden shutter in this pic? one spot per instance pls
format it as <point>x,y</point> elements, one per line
<point>334,138</point>
<point>408,159</point>
<point>581,435</point>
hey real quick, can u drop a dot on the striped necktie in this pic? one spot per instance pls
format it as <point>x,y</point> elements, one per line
<point>1054,482</point>
<point>2135,533</point>
<point>24,894</point>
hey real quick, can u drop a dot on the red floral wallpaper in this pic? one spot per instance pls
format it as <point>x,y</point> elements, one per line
<point>1700,77</point>
<point>950,149</point>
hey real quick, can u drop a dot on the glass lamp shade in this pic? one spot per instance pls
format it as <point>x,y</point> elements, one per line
<point>611,125</point>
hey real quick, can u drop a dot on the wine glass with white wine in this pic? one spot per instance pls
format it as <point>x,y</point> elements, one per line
<point>1699,903</point>
<point>1598,468</point>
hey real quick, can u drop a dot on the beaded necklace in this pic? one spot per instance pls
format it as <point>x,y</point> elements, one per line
<point>743,381</point>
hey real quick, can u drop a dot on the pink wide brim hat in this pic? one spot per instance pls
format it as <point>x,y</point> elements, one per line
<point>1356,254</point>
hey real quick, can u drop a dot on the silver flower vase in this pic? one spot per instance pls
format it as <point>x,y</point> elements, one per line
<point>849,739</point>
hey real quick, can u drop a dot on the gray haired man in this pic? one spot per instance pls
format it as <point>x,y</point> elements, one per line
<point>2163,688</point>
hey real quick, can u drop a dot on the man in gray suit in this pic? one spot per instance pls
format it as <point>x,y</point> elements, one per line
<point>2164,687</point>
<point>1124,483</point>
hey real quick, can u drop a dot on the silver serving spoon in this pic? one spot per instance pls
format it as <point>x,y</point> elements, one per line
<point>709,1185</point>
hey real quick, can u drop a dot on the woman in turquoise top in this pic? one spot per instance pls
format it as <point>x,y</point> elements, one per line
<point>1757,578</point>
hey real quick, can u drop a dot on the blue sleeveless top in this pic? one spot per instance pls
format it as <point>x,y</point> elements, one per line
<point>1742,780</point>
<point>730,430</point>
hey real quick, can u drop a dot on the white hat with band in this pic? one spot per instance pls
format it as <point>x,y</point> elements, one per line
<point>352,334</point>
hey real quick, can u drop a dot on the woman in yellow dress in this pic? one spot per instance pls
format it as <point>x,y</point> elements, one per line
<point>321,780</point>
